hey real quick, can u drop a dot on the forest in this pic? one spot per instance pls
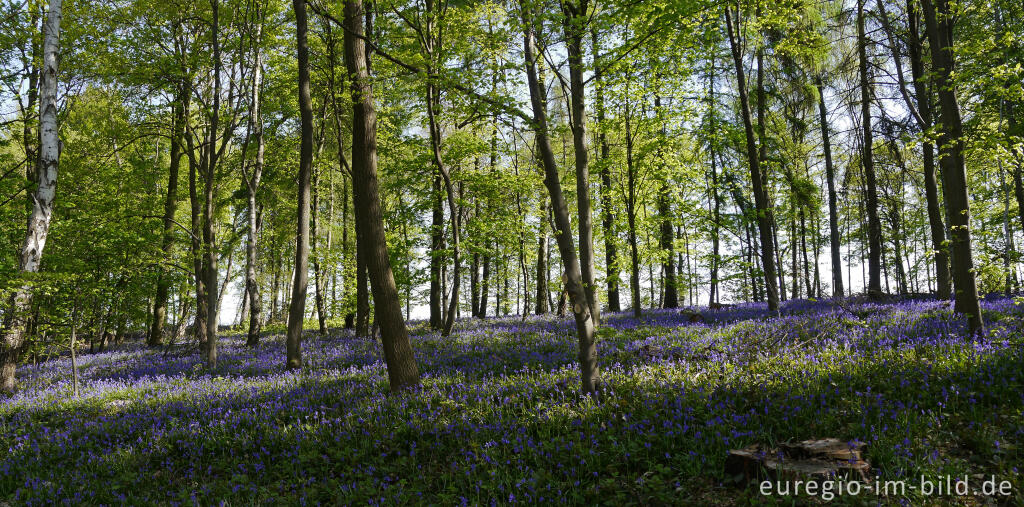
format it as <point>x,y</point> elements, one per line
<point>509,251</point>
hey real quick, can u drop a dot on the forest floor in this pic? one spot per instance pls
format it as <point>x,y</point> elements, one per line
<point>498,418</point>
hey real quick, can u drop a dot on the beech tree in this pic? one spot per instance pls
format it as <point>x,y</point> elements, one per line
<point>402,370</point>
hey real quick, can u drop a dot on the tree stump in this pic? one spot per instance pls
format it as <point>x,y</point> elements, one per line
<point>816,459</point>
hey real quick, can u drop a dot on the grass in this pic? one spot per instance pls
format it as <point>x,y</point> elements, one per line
<point>498,418</point>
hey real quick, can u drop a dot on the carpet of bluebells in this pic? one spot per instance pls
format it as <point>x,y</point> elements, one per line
<point>499,419</point>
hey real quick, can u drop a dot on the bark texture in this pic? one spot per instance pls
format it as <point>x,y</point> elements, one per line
<point>402,370</point>
<point>12,332</point>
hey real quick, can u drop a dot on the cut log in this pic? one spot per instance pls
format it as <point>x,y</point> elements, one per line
<point>816,459</point>
<point>828,448</point>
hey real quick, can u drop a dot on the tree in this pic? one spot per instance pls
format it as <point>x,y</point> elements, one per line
<point>763,211</point>
<point>607,214</point>
<point>574,27</point>
<point>252,179</point>
<point>402,370</point>
<point>921,110</point>
<point>572,277</point>
<point>13,330</point>
<point>868,162</point>
<point>297,310</point>
<point>938,19</point>
<point>156,334</point>
<point>833,215</point>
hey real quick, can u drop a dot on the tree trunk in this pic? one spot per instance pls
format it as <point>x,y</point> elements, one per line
<point>666,239</point>
<point>631,198</point>
<point>297,308</point>
<point>474,279</point>
<point>803,250</point>
<point>574,26</point>
<point>485,279</point>
<point>74,351</point>
<point>763,212</point>
<point>163,282</point>
<point>13,328</point>
<point>227,278</point>
<point>931,190</point>
<point>255,218</point>
<point>209,211</point>
<point>433,100</point>
<point>716,204</point>
<point>436,253</point>
<point>542,253</point>
<point>833,214</point>
<point>590,375</point>
<point>954,171</point>
<point>243,309</point>
<point>868,162</point>
<point>196,248</point>
<point>319,277</point>
<point>398,355</point>
<point>607,214</point>
<point>429,46</point>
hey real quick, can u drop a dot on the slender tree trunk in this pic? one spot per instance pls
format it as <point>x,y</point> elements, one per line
<point>398,355</point>
<point>297,308</point>
<point>763,211</point>
<point>574,27</point>
<point>316,231</point>
<point>255,209</point>
<point>803,250</point>
<point>833,214</point>
<point>867,160</point>
<point>163,283</point>
<point>474,278</point>
<point>74,350</point>
<point>13,326</point>
<point>755,291</point>
<point>436,253</point>
<point>433,101</point>
<point>319,274</point>
<point>30,136</point>
<point>542,253</point>
<point>716,203</point>
<point>209,204</point>
<point>196,249</point>
<point>485,279</point>
<point>345,168</point>
<point>778,259</point>
<point>430,47</point>
<point>954,171</point>
<point>227,279</point>
<point>666,240</point>
<point>243,309</point>
<point>607,213</point>
<point>631,198</point>
<point>715,227</point>
<point>794,244</point>
<point>589,372</point>
<point>931,190</point>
